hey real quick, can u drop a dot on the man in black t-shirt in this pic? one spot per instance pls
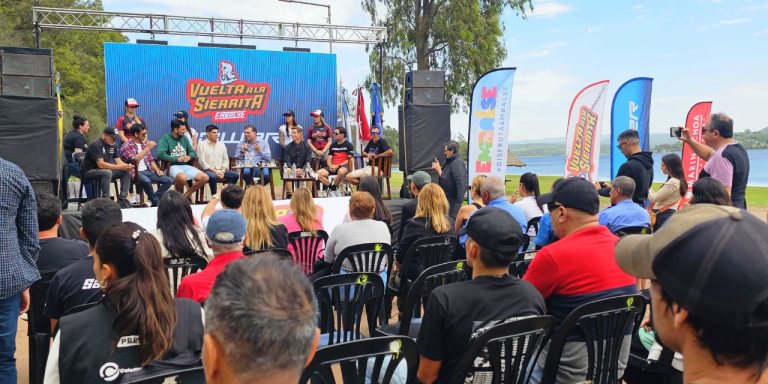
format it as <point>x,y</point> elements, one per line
<point>457,314</point>
<point>97,167</point>
<point>375,149</point>
<point>76,284</point>
<point>55,252</point>
<point>338,161</point>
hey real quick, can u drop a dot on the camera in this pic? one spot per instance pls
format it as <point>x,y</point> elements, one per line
<point>675,132</point>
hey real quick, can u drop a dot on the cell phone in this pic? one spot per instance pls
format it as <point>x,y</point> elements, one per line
<point>675,132</point>
<point>435,160</point>
<point>603,185</point>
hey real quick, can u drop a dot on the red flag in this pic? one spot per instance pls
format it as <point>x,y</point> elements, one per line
<point>692,164</point>
<point>363,131</point>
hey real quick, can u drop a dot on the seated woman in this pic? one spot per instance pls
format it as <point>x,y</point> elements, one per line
<point>304,215</point>
<point>709,191</point>
<point>382,213</point>
<point>264,230</point>
<point>528,191</point>
<point>176,230</point>
<point>137,321</point>
<point>669,195</point>
<point>477,203</point>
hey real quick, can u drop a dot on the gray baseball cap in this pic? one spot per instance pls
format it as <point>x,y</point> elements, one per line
<point>420,178</point>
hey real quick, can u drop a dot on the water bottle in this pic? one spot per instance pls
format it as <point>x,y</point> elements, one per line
<point>286,172</point>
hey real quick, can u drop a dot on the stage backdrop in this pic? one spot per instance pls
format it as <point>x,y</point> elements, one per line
<point>230,88</point>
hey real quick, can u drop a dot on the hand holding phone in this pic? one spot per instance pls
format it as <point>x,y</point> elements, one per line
<point>675,132</point>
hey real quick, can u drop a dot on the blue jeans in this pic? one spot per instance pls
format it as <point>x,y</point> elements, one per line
<point>9,317</point>
<point>230,176</point>
<point>146,178</point>
<point>88,187</point>
<point>537,375</point>
<point>248,178</point>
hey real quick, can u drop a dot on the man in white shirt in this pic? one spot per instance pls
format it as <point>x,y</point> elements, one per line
<point>213,159</point>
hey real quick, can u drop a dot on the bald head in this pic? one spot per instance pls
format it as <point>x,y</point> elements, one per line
<point>493,188</point>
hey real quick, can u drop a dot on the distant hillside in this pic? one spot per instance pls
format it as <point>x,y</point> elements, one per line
<point>764,130</point>
<point>556,145</point>
<point>656,138</point>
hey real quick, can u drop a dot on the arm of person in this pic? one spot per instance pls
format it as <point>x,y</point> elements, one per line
<point>543,273</point>
<point>122,136</point>
<point>329,254</point>
<point>460,217</point>
<point>266,152</point>
<point>701,150</point>
<point>308,158</point>
<point>666,190</point>
<point>210,208</point>
<point>327,146</point>
<point>190,150</point>
<point>77,150</point>
<point>329,162</point>
<point>26,223</point>
<point>224,159</point>
<point>105,165</point>
<point>428,370</point>
<point>431,339</point>
<point>203,154</point>
<point>281,137</point>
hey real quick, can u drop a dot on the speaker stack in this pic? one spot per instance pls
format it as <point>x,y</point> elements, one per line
<point>425,87</point>
<point>26,72</point>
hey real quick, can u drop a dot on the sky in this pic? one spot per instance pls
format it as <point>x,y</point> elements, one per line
<point>695,50</point>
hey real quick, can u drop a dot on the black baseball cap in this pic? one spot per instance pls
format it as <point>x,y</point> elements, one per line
<point>576,193</point>
<point>712,260</point>
<point>182,114</point>
<point>495,230</point>
<point>112,131</point>
<point>289,113</point>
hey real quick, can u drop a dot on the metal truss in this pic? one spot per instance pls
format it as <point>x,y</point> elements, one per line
<point>57,18</point>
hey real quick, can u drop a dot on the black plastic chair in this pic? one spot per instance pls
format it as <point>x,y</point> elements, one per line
<point>307,248</point>
<point>353,358</point>
<point>72,311</point>
<point>532,223</point>
<point>280,252</point>
<point>77,158</point>
<point>178,267</point>
<point>660,371</point>
<point>520,266</point>
<point>604,324</point>
<point>38,328</point>
<point>182,376</point>
<point>505,352</point>
<point>433,250</point>
<point>368,257</point>
<point>431,278</point>
<point>349,293</point>
<point>633,231</point>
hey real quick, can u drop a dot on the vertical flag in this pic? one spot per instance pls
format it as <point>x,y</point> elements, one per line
<point>363,132</point>
<point>585,122</point>
<point>345,113</point>
<point>376,110</point>
<point>631,109</point>
<point>489,123</point>
<point>692,164</point>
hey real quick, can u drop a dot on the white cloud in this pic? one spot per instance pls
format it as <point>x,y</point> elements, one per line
<point>637,6</point>
<point>534,53</point>
<point>550,9</point>
<point>725,22</point>
<point>763,32</point>
<point>594,29</point>
<point>553,45</point>
<point>765,6</point>
<point>641,17</point>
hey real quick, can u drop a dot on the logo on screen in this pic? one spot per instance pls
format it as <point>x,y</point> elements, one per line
<point>229,98</point>
<point>580,163</point>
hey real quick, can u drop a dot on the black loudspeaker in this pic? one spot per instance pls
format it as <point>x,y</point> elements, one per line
<point>26,72</point>
<point>425,95</point>
<point>425,79</point>
<point>423,131</point>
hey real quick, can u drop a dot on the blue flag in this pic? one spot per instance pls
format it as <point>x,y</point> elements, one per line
<point>631,109</point>
<point>376,110</point>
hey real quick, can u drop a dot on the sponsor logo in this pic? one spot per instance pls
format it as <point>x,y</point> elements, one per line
<point>485,138</point>
<point>171,380</point>
<point>634,121</point>
<point>91,284</point>
<point>229,99</point>
<point>580,162</point>
<point>362,280</point>
<point>128,341</point>
<point>110,371</point>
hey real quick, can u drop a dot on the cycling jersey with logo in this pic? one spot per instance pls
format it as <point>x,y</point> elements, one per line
<point>72,286</point>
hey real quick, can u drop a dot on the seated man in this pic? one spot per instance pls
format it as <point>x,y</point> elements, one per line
<point>418,181</point>
<point>97,167</point>
<point>55,252</point>
<point>546,235</point>
<point>708,274</point>
<point>576,270</point>
<point>76,284</point>
<point>231,197</point>
<point>623,212</point>
<point>225,236</point>
<point>376,148</point>
<point>338,162</point>
<point>493,193</point>
<point>259,149</point>
<point>458,313</point>
<point>138,149</point>
<point>274,335</point>
<point>176,148</point>
<point>297,152</point>
<point>213,158</point>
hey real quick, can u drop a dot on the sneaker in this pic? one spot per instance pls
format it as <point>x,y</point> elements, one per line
<point>147,204</point>
<point>135,199</point>
<point>124,204</point>
<point>337,193</point>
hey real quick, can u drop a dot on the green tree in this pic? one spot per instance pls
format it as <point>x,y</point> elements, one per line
<point>465,38</point>
<point>392,138</point>
<point>463,146</point>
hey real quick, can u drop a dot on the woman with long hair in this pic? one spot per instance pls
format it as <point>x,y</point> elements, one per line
<point>129,118</point>
<point>668,197</point>
<point>264,230</point>
<point>176,230</point>
<point>304,215</point>
<point>74,142</point>
<point>528,191</point>
<point>709,191</point>
<point>382,213</point>
<point>477,202</point>
<point>319,137</point>
<point>138,320</point>
<point>284,132</point>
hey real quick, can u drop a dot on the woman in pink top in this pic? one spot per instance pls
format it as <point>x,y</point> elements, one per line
<point>303,217</point>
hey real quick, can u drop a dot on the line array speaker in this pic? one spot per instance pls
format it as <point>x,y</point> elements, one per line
<point>425,87</point>
<point>26,72</point>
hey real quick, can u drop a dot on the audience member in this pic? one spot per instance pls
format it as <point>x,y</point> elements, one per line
<point>265,231</point>
<point>175,147</point>
<point>128,119</point>
<point>457,314</point>
<point>382,213</point>
<point>76,284</point>
<point>493,195</point>
<point>297,153</point>
<point>546,235</point>
<point>231,197</point>
<point>453,177</point>
<point>18,252</point>
<point>318,136</point>
<point>623,212</point>
<point>528,191</point>
<point>666,201</point>
<point>338,162</point>
<point>74,142</point>
<point>304,215</point>
<point>376,148</point>
<point>727,160</point>
<point>477,202</point>
<point>708,271</point>
<point>138,321</point>
<point>274,335</point>
<point>418,180</point>
<point>284,132</point>
<point>176,230</point>
<point>639,167</point>
<point>576,270</point>
<point>213,158</point>
<point>260,151</point>
<point>55,252</point>
<point>97,167</point>
<point>191,133</point>
<point>707,190</point>
<point>226,236</point>
<point>138,149</point>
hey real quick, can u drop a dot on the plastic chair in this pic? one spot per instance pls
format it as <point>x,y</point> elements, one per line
<point>366,257</point>
<point>353,359</point>
<point>72,311</point>
<point>178,267</point>
<point>633,231</point>
<point>280,252</point>
<point>504,352</point>
<point>532,223</point>
<point>604,324</point>
<point>349,293</point>
<point>38,328</point>
<point>307,248</point>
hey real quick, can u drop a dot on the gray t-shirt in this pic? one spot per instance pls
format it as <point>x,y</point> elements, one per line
<point>355,233</point>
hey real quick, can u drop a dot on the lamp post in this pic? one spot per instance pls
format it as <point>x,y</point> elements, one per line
<point>317,5</point>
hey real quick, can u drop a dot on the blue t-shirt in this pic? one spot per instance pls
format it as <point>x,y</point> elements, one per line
<point>501,203</point>
<point>546,234</point>
<point>624,214</point>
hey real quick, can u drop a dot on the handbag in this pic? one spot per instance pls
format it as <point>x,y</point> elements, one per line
<point>653,214</point>
<point>320,268</point>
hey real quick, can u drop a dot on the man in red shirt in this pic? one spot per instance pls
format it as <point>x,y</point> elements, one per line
<point>225,235</point>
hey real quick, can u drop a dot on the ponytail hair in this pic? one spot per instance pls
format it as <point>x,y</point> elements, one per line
<point>78,121</point>
<point>531,183</point>
<point>141,296</point>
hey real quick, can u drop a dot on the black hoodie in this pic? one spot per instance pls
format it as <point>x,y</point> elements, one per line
<point>639,167</point>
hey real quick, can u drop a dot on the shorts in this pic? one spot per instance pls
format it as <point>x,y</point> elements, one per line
<point>323,158</point>
<point>188,170</point>
<point>327,169</point>
<point>367,170</point>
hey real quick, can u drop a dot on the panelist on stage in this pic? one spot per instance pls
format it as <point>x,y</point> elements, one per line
<point>130,118</point>
<point>297,152</point>
<point>259,148</point>
<point>213,159</point>
<point>319,136</point>
<point>175,147</point>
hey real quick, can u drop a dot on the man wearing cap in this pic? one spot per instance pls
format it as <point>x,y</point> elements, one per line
<point>125,122</point>
<point>376,148</point>
<point>213,159</point>
<point>459,313</point>
<point>493,193</point>
<point>191,133</point>
<point>418,181</point>
<point>259,148</point>
<point>225,234</point>
<point>576,270</point>
<point>97,167</point>
<point>319,136</point>
<point>138,150</point>
<point>623,212</point>
<point>709,290</point>
<point>175,147</point>
<point>338,162</point>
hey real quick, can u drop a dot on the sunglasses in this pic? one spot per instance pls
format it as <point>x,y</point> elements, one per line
<point>553,207</point>
<point>375,133</point>
<point>619,146</point>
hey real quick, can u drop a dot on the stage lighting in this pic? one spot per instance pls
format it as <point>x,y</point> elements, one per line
<point>152,42</point>
<point>296,49</point>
